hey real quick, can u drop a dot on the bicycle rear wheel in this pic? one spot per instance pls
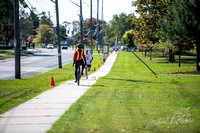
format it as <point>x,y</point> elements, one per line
<point>78,75</point>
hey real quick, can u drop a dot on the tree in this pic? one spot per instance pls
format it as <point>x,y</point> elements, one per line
<point>34,19</point>
<point>7,19</point>
<point>26,26</point>
<point>181,25</point>
<point>44,35</point>
<point>86,27</point>
<point>146,26</point>
<point>128,38</point>
<point>63,31</point>
<point>118,26</point>
<point>44,20</point>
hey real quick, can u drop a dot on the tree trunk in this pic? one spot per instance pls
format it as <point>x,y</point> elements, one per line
<point>198,54</point>
<point>145,53</point>
<point>179,58</point>
<point>150,55</point>
<point>171,56</point>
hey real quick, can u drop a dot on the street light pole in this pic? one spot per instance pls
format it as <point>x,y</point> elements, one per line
<point>17,41</point>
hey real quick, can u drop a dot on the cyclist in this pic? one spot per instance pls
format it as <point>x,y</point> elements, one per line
<point>89,59</point>
<point>78,59</point>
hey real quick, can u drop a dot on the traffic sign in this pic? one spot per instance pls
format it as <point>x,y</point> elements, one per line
<point>52,38</point>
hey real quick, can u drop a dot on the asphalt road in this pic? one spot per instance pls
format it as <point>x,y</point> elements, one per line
<point>41,61</point>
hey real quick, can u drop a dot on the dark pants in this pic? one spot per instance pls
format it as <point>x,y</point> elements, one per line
<point>76,67</point>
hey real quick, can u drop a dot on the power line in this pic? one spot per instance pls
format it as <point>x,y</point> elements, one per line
<point>46,3</point>
<point>41,6</point>
<point>31,6</point>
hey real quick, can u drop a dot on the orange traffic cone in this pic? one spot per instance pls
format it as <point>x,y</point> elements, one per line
<point>98,65</point>
<point>52,81</point>
<point>101,62</point>
<point>94,69</point>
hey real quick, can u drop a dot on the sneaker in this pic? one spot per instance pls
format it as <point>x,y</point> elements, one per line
<point>75,81</point>
<point>86,77</point>
<point>82,73</point>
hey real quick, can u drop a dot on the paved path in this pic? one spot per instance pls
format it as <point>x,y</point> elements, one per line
<point>38,114</point>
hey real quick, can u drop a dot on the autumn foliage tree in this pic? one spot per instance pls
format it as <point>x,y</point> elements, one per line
<point>147,24</point>
<point>128,38</point>
<point>44,35</point>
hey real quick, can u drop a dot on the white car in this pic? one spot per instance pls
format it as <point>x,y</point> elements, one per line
<point>50,46</point>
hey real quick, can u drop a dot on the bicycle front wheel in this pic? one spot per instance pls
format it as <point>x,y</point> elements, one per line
<point>78,76</point>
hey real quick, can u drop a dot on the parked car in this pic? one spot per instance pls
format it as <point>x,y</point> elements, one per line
<point>50,46</point>
<point>65,47</point>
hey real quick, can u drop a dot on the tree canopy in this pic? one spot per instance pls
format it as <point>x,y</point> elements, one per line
<point>181,26</point>
<point>44,33</point>
<point>118,26</point>
<point>146,26</point>
<point>7,19</point>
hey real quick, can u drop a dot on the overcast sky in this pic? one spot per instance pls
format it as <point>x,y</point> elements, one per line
<point>69,12</point>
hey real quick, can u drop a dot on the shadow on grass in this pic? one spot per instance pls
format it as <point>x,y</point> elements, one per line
<point>187,72</point>
<point>183,61</point>
<point>98,85</point>
<point>131,80</point>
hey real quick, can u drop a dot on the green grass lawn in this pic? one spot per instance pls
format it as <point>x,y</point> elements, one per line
<point>131,99</point>
<point>2,57</point>
<point>10,54</point>
<point>16,91</point>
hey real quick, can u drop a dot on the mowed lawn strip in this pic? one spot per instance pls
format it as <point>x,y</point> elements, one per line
<point>131,99</point>
<point>16,91</point>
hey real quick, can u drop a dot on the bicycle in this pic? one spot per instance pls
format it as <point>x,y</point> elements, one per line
<point>78,73</point>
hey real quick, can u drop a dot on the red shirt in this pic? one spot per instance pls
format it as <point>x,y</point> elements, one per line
<point>78,55</point>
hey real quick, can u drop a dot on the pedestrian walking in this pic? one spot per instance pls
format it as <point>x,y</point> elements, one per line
<point>104,58</point>
<point>89,59</point>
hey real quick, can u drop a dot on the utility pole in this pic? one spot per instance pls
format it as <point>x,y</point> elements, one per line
<point>97,35</point>
<point>58,35</point>
<point>102,25</point>
<point>81,21</point>
<point>17,41</point>
<point>81,18</point>
<point>108,33</point>
<point>91,34</point>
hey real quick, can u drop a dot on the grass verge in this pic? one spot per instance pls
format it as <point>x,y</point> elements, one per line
<point>16,91</point>
<point>131,99</point>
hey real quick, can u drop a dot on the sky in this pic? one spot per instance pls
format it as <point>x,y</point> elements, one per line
<point>69,11</point>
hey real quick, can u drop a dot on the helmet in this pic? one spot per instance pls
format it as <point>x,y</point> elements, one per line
<point>80,45</point>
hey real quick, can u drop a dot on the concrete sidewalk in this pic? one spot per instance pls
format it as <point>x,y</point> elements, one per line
<point>38,114</point>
